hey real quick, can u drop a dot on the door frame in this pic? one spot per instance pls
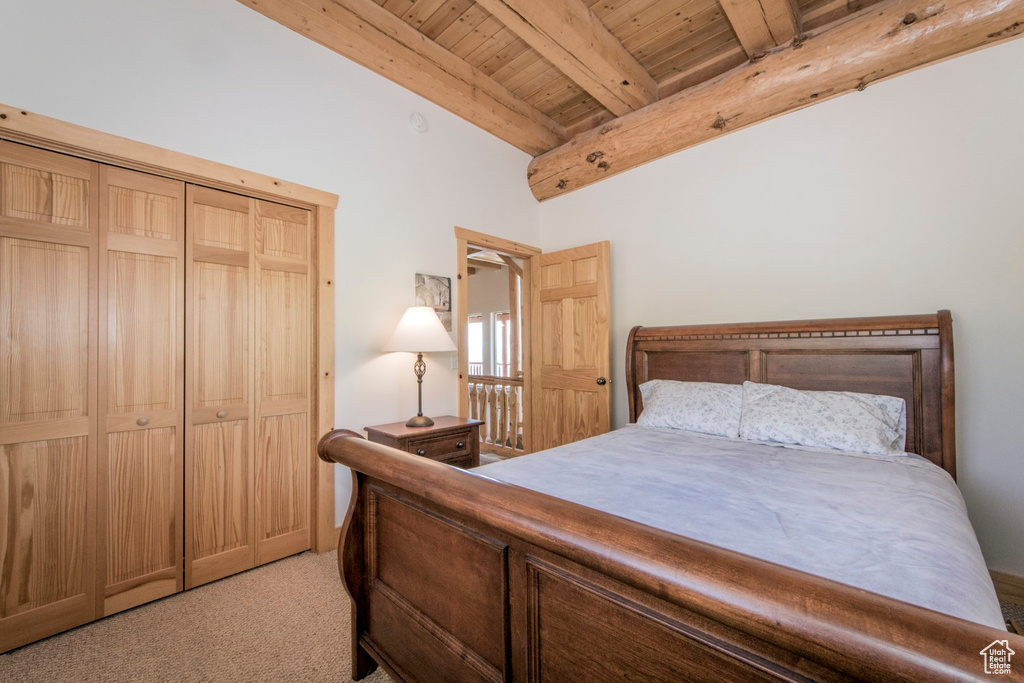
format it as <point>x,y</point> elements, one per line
<point>28,128</point>
<point>530,256</point>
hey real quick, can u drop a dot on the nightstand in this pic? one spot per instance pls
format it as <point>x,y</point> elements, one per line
<point>451,440</point>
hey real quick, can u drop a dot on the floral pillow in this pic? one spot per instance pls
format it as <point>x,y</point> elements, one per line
<point>863,423</point>
<point>702,407</point>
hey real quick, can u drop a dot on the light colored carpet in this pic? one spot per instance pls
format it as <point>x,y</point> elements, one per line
<point>487,457</point>
<point>286,621</point>
<point>1013,612</point>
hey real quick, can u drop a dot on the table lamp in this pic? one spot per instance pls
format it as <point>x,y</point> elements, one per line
<point>420,331</point>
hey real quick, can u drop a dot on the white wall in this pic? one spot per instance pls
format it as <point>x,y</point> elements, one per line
<point>905,198</point>
<point>215,79</point>
<point>487,295</point>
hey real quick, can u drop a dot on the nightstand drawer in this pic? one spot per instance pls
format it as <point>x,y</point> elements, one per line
<point>448,447</point>
<point>452,440</point>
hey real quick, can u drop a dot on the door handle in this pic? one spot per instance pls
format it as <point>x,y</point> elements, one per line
<point>601,381</point>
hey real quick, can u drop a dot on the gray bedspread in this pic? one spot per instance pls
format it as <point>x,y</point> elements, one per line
<point>891,525</point>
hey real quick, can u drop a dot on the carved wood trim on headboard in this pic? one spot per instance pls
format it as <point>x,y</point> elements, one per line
<point>906,356</point>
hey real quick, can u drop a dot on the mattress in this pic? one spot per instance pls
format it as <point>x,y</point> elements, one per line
<point>894,525</point>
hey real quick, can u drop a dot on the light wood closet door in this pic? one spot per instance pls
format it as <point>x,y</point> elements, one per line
<point>284,456</point>
<point>220,361</point>
<point>48,393</point>
<point>248,451</point>
<point>142,276</point>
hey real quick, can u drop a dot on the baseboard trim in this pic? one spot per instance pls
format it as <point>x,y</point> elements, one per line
<point>1009,587</point>
<point>334,546</point>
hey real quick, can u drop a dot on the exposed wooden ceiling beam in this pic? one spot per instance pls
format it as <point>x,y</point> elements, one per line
<point>368,34</point>
<point>570,36</point>
<point>762,24</point>
<point>901,35</point>
<point>511,263</point>
<point>482,263</point>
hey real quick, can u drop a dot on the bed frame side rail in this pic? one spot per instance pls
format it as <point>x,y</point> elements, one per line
<point>458,576</point>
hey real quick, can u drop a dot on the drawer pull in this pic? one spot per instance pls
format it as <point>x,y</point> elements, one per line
<point>420,451</point>
<point>222,413</point>
<point>142,421</point>
<point>460,444</point>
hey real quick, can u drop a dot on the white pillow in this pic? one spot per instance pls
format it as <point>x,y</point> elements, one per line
<point>845,421</point>
<point>702,407</point>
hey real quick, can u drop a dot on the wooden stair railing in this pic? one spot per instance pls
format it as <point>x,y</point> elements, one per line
<point>498,402</point>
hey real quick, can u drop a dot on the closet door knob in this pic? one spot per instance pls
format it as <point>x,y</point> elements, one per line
<point>601,381</point>
<point>222,413</point>
<point>142,421</point>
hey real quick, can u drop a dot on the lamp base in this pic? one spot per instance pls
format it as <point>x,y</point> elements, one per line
<point>419,421</point>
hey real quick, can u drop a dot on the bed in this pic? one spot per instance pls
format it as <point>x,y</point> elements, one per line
<point>467,576</point>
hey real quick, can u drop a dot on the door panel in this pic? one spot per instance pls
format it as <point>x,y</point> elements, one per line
<point>282,485</point>
<point>48,416</point>
<point>551,323</point>
<point>284,365</point>
<point>141,462</point>
<point>585,343</point>
<point>573,334</point>
<point>220,220</point>
<point>219,415</point>
<point>220,488</point>
<point>221,333</point>
<point>143,528</point>
<point>45,188</point>
<point>136,211</point>
<point>46,550</point>
<point>284,451</point>
<point>143,314</point>
<point>44,312</point>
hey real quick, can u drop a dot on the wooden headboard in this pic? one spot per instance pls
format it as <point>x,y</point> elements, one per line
<point>906,356</point>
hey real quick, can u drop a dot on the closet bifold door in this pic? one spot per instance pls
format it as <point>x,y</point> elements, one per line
<point>141,449</point>
<point>284,457</point>
<point>248,455</point>
<point>48,392</point>
<point>219,366</point>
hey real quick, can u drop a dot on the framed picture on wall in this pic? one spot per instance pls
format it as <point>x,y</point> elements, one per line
<point>436,291</point>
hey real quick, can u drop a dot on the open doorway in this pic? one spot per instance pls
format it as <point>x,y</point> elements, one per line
<point>494,332</point>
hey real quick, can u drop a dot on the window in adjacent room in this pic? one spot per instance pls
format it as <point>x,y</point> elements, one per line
<point>502,344</point>
<point>475,343</point>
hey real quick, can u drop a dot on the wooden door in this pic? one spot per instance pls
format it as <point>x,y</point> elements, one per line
<point>284,457</point>
<point>142,276</point>
<point>219,367</point>
<point>48,393</point>
<point>572,386</point>
<point>248,452</point>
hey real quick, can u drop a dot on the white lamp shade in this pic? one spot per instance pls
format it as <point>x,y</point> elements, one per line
<point>420,331</point>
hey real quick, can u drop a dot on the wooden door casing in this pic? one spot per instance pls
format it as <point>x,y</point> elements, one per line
<point>48,392</point>
<point>572,345</point>
<point>141,451</point>
<point>464,239</point>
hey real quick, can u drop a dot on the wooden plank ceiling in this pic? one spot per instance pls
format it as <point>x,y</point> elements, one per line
<point>546,74</point>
